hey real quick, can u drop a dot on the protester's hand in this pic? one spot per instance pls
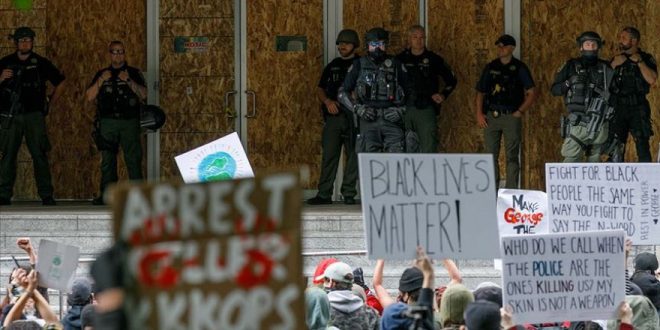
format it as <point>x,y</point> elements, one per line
<point>625,313</point>
<point>124,75</point>
<point>21,277</point>
<point>423,262</point>
<point>507,318</point>
<point>628,246</point>
<point>31,281</point>
<point>438,98</point>
<point>6,74</point>
<point>517,114</point>
<point>635,57</point>
<point>332,106</point>
<point>25,244</point>
<point>481,120</point>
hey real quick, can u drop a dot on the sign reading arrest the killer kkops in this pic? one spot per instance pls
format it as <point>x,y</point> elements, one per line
<point>219,255</point>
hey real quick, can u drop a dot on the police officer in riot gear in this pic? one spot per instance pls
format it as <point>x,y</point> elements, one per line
<point>23,109</point>
<point>339,127</point>
<point>635,72</point>
<point>505,91</point>
<point>424,96</point>
<point>118,91</point>
<point>374,90</point>
<point>585,84</point>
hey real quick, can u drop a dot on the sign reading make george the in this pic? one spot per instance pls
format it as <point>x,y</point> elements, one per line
<point>219,255</point>
<point>563,277</point>
<point>584,197</point>
<point>442,202</point>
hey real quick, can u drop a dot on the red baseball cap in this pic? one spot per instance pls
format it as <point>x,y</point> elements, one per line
<point>320,269</point>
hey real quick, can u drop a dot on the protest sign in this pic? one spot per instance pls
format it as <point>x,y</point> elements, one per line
<point>219,255</point>
<point>56,264</point>
<point>584,197</point>
<point>563,277</point>
<point>222,159</point>
<point>442,202</point>
<point>521,212</point>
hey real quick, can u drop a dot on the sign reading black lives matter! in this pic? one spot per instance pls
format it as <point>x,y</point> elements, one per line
<point>560,277</point>
<point>584,197</point>
<point>218,255</point>
<point>442,202</point>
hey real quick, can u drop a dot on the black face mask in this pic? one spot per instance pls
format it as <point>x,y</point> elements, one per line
<point>589,56</point>
<point>377,55</point>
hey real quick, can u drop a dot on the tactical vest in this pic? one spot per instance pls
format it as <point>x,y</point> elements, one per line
<point>117,100</point>
<point>335,80</point>
<point>507,90</point>
<point>377,85</point>
<point>590,81</point>
<point>420,75</point>
<point>629,80</point>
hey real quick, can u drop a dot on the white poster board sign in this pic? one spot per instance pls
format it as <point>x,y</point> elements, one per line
<point>585,197</point>
<point>563,277</point>
<point>442,202</point>
<point>222,159</point>
<point>56,263</point>
<point>522,212</point>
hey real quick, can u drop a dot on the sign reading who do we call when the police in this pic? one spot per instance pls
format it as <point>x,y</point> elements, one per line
<point>587,197</point>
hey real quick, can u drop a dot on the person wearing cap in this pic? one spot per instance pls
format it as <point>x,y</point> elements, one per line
<point>425,68</point>
<point>505,92</point>
<point>23,108</point>
<point>347,310</point>
<point>374,91</point>
<point>80,296</point>
<point>635,72</point>
<point>339,128</point>
<point>118,90</point>
<point>585,84</point>
<point>646,278</point>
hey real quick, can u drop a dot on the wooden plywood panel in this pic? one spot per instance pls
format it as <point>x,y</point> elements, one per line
<point>549,30</point>
<point>463,33</point>
<point>286,131</point>
<point>217,60</point>
<point>196,8</point>
<point>650,28</point>
<point>207,94</point>
<point>395,16</point>
<point>219,27</point>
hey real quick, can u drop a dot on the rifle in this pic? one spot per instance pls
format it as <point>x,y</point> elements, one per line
<point>15,106</point>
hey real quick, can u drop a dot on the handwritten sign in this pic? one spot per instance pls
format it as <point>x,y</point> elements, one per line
<point>584,197</point>
<point>220,255</point>
<point>563,277</point>
<point>222,159</point>
<point>443,202</point>
<point>521,212</point>
<point>56,264</point>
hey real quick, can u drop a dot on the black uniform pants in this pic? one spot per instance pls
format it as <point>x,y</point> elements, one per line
<point>635,120</point>
<point>338,131</point>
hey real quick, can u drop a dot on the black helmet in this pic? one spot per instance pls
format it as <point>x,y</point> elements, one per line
<point>152,117</point>
<point>376,34</point>
<point>23,32</point>
<point>348,36</point>
<point>589,35</point>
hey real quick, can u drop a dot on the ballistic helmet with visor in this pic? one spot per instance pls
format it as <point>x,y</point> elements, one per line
<point>589,35</point>
<point>376,34</point>
<point>348,36</point>
<point>23,32</point>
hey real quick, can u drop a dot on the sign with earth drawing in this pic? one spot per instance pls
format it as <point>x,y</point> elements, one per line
<point>222,159</point>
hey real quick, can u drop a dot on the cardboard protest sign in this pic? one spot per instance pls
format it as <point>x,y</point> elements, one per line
<point>219,255</point>
<point>56,264</point>
<point>584,197</point>
<point>521,212</point>
<point>563,277</point>
<point>443,202</point>
<point>222,159</point>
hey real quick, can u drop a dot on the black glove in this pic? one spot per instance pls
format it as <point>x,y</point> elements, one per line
<point>393,115</point>
<point>358,278</point>
<point>365,113</point>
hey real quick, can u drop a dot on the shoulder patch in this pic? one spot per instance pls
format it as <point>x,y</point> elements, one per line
<point>350,68</point>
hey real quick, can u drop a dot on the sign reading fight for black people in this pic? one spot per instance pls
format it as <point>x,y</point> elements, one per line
<point>563,277</point>
<point>442,202</point>
<point>584,197</point>
<point>219,255</point>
